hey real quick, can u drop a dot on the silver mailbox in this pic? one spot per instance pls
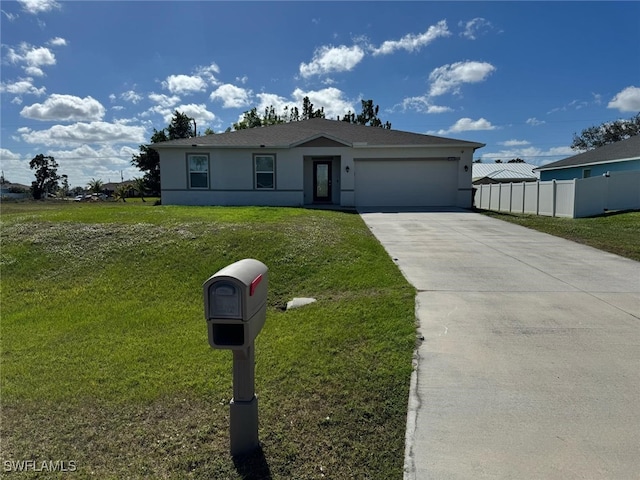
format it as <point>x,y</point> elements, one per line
<point>235,304</point>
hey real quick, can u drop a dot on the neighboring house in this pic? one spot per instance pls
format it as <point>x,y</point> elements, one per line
<point>615,157</point>
<point>484,173</point>
<point>317,161</point>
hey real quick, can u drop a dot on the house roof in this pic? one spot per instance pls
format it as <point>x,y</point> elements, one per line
<point>287,135</point>
<point>503,171</point>
<point>628,149</point>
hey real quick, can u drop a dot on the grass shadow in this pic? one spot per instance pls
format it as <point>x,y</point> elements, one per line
<point>252,466</point>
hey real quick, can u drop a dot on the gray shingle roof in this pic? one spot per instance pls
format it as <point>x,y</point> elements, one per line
<point>290,134</point>
<point>622,150</point>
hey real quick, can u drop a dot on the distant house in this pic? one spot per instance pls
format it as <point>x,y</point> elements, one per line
<point>317,162</point>
<point>484,173</point>
<point>615,157</point>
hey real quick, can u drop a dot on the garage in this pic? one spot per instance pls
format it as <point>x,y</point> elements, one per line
<point>416,182</point>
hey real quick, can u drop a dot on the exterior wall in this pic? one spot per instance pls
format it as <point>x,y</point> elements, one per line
<point>231,174</point>
<point>570,173</point>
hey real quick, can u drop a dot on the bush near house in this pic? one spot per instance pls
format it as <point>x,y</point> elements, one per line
<point>105,359</point>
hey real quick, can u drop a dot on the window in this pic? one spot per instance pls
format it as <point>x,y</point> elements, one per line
<point>198,171</point>
<point>265,172</point>
<point>586,173</point>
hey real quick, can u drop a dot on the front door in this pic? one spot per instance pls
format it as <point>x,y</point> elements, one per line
<point>322,181</point>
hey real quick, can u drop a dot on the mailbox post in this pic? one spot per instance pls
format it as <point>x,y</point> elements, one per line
<point>235,307</point>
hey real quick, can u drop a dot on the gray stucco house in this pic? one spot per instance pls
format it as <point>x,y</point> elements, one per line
<point>615,157</point>
<point>317,161</point>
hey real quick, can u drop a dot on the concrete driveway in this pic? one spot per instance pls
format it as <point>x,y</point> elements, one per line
<point>530,364</point>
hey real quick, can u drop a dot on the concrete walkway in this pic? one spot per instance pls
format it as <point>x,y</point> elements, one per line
<point>530,364</point>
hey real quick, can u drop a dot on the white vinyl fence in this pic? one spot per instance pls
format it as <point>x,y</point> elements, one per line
<point>581,197</point>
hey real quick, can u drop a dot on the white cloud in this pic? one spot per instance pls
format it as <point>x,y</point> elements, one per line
<point>474,27</point>
<point>163,100</point>
<point>208,73</point>
<point>10,16</point>
<point>80,133</point>
<point>199,112</point>
<point>32,58</point>
<point>243,80</point>
<point>627,100</point>
<point>328,59</point>
<point>330,98</point>
<point>534,122</point>
<point>58,42</point>
<point>21,87</point>
<point>38,6</point>
<point>184,84</point>
<point>466,125</point>
<point>530,154</point>
<point>231,96</point>
<point>423,104</point>
<point>65,108</point>
<point>131,96</point>
<point>411,42</point>
<point>449,77</point>
<point>514,143</point>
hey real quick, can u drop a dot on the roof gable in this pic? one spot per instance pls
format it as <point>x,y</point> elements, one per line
<point>288,135</point>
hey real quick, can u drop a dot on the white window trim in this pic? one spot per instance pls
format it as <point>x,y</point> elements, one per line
<point>256,171</point>
<point>189,171</point>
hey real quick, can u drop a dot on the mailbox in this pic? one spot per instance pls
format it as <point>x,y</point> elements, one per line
<point>235,304</point>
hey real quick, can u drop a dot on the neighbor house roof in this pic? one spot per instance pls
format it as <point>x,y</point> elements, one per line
<point>628,149</point>
<point>288,135</point>
<point>503,171</point>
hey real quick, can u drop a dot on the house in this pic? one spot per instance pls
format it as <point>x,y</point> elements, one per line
<point>484,173</point>
<point>614,157</point>
<point>317,162</point>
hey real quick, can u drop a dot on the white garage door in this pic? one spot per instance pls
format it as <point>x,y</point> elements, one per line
<point>408,183</point>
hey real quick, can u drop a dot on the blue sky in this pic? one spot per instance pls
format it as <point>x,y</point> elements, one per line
<point>87,82</point>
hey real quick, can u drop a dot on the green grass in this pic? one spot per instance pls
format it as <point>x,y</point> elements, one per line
<point>105,359</point>
<point>616,232</point>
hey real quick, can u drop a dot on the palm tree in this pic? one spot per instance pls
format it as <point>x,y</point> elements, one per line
<point>140,186</point>
<point>96,186</point>
<point>121,192</point>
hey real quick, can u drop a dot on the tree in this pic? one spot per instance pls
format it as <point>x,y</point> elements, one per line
<point>46,176</point>
<point>122,192</point>
<point>140,186</point>
<point>606,133</point>
<point>180,126</point>
<point>516,160</point>
<point>95,186</point>
<point>368,116</point>
<point>208,131</point>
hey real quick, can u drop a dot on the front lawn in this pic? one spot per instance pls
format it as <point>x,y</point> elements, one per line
<point>105,359</point>
<point>615,232</point>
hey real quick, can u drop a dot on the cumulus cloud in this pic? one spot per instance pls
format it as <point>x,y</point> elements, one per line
<point>231,96</point>
<point>329,59</point>
<point>21,87</point>
<point>184,84</point>
<point>466,125</point>
<point>31,59</point>
<point>163,100</point>
<point>38,6</point>
<point>131,96</point>
<point>65,108</point>
<point>58,42</point>
<point>627,100</point>
<point>474,27</point>
<point>208,73</point>
<point>448,78</point>
<point>192,110</point>
<point>81,133</point>
<point>423,104</point>
<point>330,98</point>
<point>411,42</point>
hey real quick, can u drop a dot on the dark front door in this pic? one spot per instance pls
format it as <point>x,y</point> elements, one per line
<point>322,181</point>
